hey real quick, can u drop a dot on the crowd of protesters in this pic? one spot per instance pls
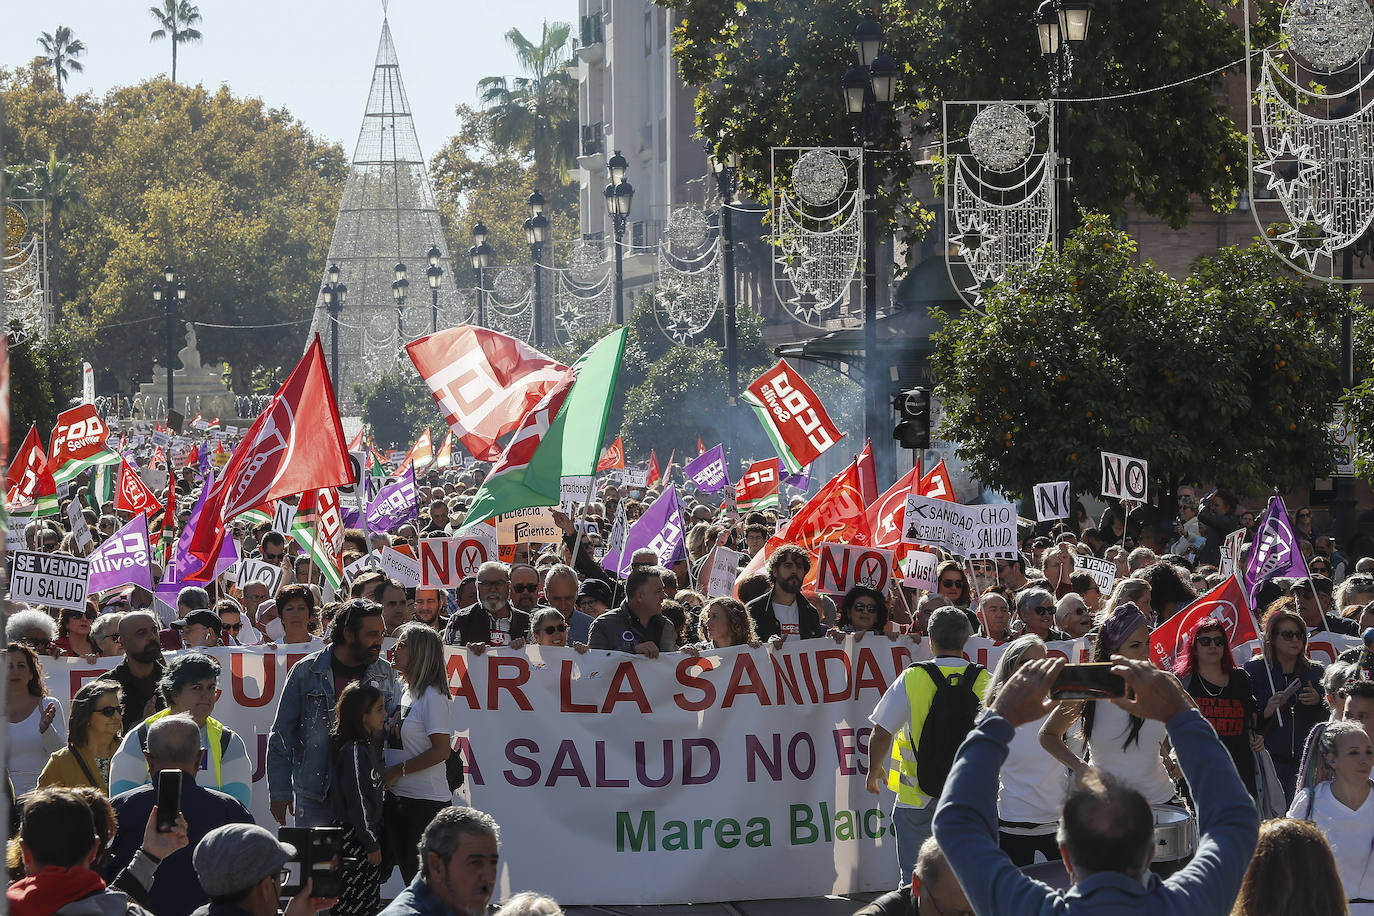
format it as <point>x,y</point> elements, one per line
<point>362,737</point>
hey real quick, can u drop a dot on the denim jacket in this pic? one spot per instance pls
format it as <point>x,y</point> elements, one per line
<point>298,746</point>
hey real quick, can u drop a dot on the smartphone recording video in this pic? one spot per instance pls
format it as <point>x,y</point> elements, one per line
<point>1091,681</point>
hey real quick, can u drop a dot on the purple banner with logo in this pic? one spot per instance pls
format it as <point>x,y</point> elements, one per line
<point>1274,551</point>
<point>708,470</point>
<point>393,504</point>
<point>123,559</point>
<point>183,565</point>
<point>659,529</point>
<point>800,480</point>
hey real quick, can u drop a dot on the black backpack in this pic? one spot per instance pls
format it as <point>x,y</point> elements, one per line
<point>948,722</point>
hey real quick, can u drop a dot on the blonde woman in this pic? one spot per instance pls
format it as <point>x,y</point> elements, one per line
<point>419,741</point>
<point>1127,591</point>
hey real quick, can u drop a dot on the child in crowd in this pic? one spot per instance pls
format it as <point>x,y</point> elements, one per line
<point>355,795</point>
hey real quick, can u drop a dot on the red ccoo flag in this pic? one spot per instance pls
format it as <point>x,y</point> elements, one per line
<point>132,494</point>
<point>612,456</point>
<point>1226,603</point>
<point>655,475</point>
<point>937,484</point>
<point>484,383</point>
<point>701,446</point>
<point>296,444</point>
<point>29,485</point>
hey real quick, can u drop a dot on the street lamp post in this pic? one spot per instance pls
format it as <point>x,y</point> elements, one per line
<point>480,255</point>
<point>868,91</point>
<point>536,233</point>
<point>725,166</point>
<point>434,273</point>
<point>398,292</point>
<point>335,295</point>
<point>619,196</point>
<point>170,296</point>
<point>1061,26</point>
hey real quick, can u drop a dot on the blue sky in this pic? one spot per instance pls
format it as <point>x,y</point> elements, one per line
<point>312,57</point>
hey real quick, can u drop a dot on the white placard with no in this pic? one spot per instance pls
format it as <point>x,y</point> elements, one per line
<point>250,570</point>
<point>1052,500</point>
<point>404,569</point>
<point>1124,477</point>
<point>843,566</point>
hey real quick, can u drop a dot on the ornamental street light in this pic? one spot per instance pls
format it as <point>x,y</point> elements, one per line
<point>480,256</point>
<point>536,233</point>
<point>435,273</point>
<point>725,167</point>
<point>1061,26</point>
<point>398,292</point>
<point>335,295</point>
<point>868,91</point>
<point>170,297</point>
<point>620,195</point>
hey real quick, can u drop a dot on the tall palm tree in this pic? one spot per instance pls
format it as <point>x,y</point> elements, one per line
<point>60,51</point>
<point>177,18</point>
<point>536,113</point>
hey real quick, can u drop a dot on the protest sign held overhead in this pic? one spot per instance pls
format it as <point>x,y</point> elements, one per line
<point>792,415</point>
<point>965,531</point>
<point>1124,477</point>
<point>918,570</point>
<point>843,567</point>
<point>445,561</point>
<point>484,382</point>
<point>1052,501</point>
<point>57,580</point>
<point>398,566</point>
<point>534,525</point>
<point>1103,571</point>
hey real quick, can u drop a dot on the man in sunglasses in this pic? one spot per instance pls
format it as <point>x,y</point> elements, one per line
<point>524,587</point>
<point>1313,594</point>
<point>491,621</point>
<point>1012,573</point>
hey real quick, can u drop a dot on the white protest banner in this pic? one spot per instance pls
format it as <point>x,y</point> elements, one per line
<point>352,493</point>
<point>1230,552</point>
<point>1102,571</point>
<point>56,580</point>
<point>1052,500</point>
<point>398,566</point>
<point>283,516</point>
<point>843,566</point>
<point>361,565</point>
<point>636,477</point>
<point>14,533</point>
<point>528,526</point>
<point>987,653</point>
<point>919,570</point>
<point>1124,477</point>
<point>575,490</point>
<point>154,478</point>
<point>81,532</point>
<point>249,570</point>
<point>724,570</point>
<point>965,531</point>
<point>743,764</point>
<point>161,438</point>
<point>445,561</point>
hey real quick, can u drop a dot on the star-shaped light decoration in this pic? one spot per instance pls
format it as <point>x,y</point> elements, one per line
<point>975,242</point>
<point>1311,237</point>
<point>1289,165</point>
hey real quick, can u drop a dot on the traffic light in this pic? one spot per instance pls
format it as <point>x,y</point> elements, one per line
<point>913,406</point>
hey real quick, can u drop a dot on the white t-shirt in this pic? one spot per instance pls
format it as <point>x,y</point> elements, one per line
<point>431,714</point>
<point>788,618</point>
<point>1032,783</point>
<point>28,749</point>
<point>1350,835</point>
<point>1138,766</point>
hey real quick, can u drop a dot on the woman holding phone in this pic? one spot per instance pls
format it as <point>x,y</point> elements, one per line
<point>1288,690</point>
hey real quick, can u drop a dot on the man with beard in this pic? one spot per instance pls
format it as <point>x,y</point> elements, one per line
<point>429,608</point>
<point>298,746</point>
<point>491,621</point>
<point>783,611</point>
<point>141,669</point>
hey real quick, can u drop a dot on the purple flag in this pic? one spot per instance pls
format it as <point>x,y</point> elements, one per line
<point>184,566</point>
<point>1274,551</point>
<point>800,480</point>
<point>123,559</point>
<point>352,518</point>
<point>708,470</point>
<point>394,504</point>
<point>659,529</point>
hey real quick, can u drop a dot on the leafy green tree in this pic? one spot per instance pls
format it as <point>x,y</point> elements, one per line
<point>1359,401</point>
<point>1227,375</point>
<point>177,21</point>
<point>769,75</point>
<point>398,406</point>
<point>61,48</point>
<point>45,374</point>
<point>39,119</point>
<point>535,114</point>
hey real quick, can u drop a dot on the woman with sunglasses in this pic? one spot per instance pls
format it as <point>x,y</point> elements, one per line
<point>548,627</point>
<point>952,584</point>
<point>862,610</point>
<point>1303,525</point>
<point>1288,690</point>
<point>1223,694</point>
<point>74,633</point>
<point>93,734</point>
